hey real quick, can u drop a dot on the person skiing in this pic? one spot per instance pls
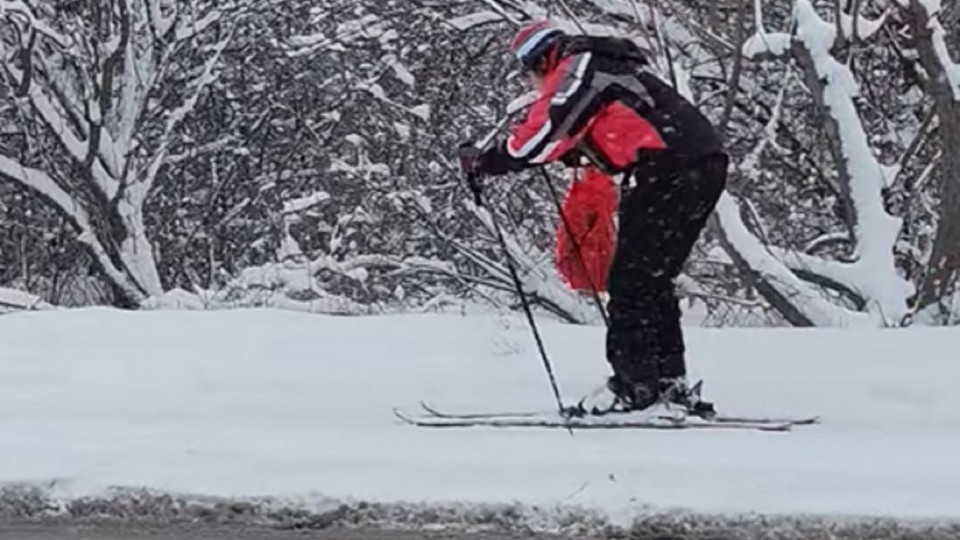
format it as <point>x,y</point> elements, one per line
<point>597,102</point>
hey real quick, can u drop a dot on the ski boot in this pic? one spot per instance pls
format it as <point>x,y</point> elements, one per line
<point>674,391</point>
<point>616,396</point>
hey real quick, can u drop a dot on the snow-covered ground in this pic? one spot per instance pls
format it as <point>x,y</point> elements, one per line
<point>251,403</point>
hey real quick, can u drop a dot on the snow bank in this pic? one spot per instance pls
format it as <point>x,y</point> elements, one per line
<point>12,299</point>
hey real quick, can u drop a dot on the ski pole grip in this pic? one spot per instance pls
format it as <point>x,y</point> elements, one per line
<point>473,182</point>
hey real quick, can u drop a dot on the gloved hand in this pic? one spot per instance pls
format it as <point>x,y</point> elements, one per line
<point>469,157</point>
<point>573,158</point>
<point>469,163</point>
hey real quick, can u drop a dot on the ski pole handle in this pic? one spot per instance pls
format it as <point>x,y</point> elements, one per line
<point>473,182</point>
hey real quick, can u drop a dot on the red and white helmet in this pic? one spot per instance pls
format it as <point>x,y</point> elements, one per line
<point>533,40</point>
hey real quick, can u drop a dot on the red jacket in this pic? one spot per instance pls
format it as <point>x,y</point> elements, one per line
<point>596,101</point>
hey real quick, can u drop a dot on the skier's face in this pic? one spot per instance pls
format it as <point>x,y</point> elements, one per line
<point>536,80</point>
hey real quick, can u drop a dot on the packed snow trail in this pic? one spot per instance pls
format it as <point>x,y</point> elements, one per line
<point>249,403</point>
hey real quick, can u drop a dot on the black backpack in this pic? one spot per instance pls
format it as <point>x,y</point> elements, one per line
<point>619,49</point>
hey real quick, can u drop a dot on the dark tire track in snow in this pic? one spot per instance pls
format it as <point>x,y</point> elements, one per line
<point>690,528</point>
<point>135,531</point>
<point>30,513</point>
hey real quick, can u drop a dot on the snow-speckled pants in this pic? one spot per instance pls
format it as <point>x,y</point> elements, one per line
<point>661,216</point>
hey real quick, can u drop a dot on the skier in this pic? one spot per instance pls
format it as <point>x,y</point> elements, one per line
<point>596,101</point>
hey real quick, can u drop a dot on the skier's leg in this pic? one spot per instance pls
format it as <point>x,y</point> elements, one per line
<point>638,285</point>
<point>661,219</point>
<point>661,216</point>
<point>662,241</point>
<point>630,335</point>
<point>699,188</point>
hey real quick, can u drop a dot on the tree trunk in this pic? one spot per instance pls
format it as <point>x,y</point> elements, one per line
<point>943,272</point>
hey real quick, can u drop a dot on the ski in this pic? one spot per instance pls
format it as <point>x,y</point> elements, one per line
<point>555,421</point>
<point>719,419</point>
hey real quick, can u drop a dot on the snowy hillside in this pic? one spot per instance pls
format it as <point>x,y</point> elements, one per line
<point>250,403</point>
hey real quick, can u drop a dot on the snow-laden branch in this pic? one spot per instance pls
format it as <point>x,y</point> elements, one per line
<point>875,230</point>
<point>365,27</point>
<point>467,22</point>
<point>129,102</point>
<point>198,27</point>
<point>277,284</point>
<point>774,44</point>
<point>303,203</point>
<point>60,106</point>
<point>24,12</point>
<point>535,280</point>
<point>763,43</point>
<point>871,279</point>
<point>55,115</point>
<point>177,115</point>
<point>41,183</point>
<point>162,24</point>
<point>813,304</point>
<point>865,28</point>
<point>93,89</point>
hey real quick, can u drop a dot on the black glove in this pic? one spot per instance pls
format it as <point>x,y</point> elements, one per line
<point>573,158</point>
<point>469,157</point>
<point>470,165</point>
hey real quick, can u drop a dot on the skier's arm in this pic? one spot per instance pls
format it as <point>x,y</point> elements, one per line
<point>547,133</point>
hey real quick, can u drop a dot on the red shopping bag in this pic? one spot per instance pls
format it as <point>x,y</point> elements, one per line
<point>589,207</point>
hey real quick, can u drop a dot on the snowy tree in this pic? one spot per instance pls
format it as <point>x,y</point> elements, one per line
<point>99,90</point>
<point>870,275</point>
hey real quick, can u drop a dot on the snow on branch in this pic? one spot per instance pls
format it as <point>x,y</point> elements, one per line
<point>875,230</point>
<point>773,44</point>
<point>535,280</point>
<point>41,183</point>
<point>871,280</point>
<point>95,80</point>
<point>763,43</point>
<point>207,77</point>
<point>22,11</point>
<point>865,28</point>
<point>303,203</point>
<point>813,304</point>
<point>195,28</point>
<point>351,32</point>
<point>472,20</point>
<point>162,24</point>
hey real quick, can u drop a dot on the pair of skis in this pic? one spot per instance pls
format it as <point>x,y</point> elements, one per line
<point>434,418</point>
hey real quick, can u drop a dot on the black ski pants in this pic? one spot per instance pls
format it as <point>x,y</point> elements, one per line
<point>661,215</point>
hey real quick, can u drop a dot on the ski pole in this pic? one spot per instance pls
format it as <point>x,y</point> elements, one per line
<point>473,184</point>
<point>576,245</point>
